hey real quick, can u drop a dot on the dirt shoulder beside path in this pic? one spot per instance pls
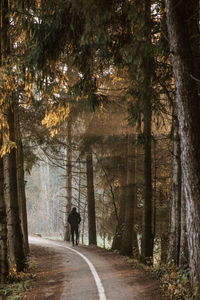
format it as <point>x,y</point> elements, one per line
<point>48,271</point>
<point>54,276</point>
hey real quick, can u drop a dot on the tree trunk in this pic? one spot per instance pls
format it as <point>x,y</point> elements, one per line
<point>14,226</point>
<point>3,229</point>
<point>83,222</point>
<point>117,240</point>
<point>154,188</point>
<point>175,199</point>
<point>147,243</point>
<point>91,200</point>
<point>69,180</point>
<point>164,247</point>
<point>10,174</point>
<point>22,195</point>
<point>183,253</point>
<point>79,189</point>
<point>21,186</point>
<point>127,234</point>
<point>183,21</point>
<point>4,266</point>
<point>135,238</point>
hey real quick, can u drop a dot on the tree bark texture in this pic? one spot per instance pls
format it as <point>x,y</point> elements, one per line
<point>183,253</point>
<point>91,199</point>
<point>183,22</point>
<point>69,180</point>
<point>175,199</point>
<point>83,221</point>
<point>147,243</point>
<point>147,249</point>
<point>3,229</point>
<point>127,234</point>
<point>15,236</point>
<point>21,186</point>
<point>135,238</point>
<point>164,246</point>
<point>122,188</point>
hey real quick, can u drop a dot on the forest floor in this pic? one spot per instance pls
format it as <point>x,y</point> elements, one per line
<point>62,274</point>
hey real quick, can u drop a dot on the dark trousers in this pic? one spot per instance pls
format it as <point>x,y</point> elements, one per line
<point>74,229</point>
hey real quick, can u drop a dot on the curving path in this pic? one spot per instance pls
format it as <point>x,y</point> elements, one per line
<point>91,273</point>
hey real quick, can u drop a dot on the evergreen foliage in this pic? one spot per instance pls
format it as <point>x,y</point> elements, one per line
<point>57,58</point>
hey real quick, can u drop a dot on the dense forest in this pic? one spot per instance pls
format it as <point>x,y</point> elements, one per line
<point>99,109</point>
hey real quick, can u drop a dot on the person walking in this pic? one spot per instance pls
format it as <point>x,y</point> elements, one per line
<point>74,220</point>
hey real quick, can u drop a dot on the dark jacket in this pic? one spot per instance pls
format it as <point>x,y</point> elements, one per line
<point>74,218</point>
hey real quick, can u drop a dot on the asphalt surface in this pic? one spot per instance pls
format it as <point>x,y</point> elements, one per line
<point>91,274</point>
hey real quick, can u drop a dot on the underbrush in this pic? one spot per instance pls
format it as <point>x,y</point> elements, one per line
<point>174,281</point>
<point>17,283</point>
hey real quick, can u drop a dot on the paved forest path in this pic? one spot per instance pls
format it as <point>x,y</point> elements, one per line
<point>86,273</point>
